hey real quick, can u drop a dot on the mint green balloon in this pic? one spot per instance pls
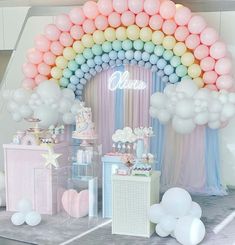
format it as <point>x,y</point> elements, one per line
<point>67,73</point>
<point>117,45</point>
<point>149,47</point>
<point>175,61</point>
<point>87,53</point>
<point>64,82</point>
<point>181,71</point>
<point>97,49</point>
<point>72,65</point>
<point>107,47</point>
<point>168,54</point>
<point>159,50</point>
<point>127,45</point>
<point>186,78</point>
<point>138,44</point>
<point>80,59</point>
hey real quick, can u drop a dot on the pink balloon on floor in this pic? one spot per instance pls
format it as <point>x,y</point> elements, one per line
<point>225,82</point>
<point>196,24</point>
<point>223,66</point>
<point>88,26</point>
<point>101,22</point>
<point>210,77</point>
<point>76,32</point>
<point>128,18</point>
<point>182,15</point>
<point>105,7</point>
<point>201,52</point>
<point>114,20</point>
<point>56,48</point>
<point>151,7</point>
<point>207,64</point>
<point>181,33</point>
<point>28,83</point>
<point>44,69</point>
<point>136,6</point>
<point>30,70</point>
<point>90,9</point>
<point>120,6</point>
<point>218,50</point>
<point>192,41</point>
<point>40,78</point>
<point>142,19</point>
<point>63,22</point>
<point>42,43</point>
<point>52,32</point>
<point>77,16</point>
<point>65,39</point>
<point>169,27</point>
<point>209,36</point>
<point>49,58</point>
<point>156,22</point>
<point>167,9</point>
<point>34,56</point>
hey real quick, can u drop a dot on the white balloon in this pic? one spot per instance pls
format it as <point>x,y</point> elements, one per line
<point>65,105</point>
<point>24,206</point>
<point>203,94</point>
<point>160,232</point>
<point>228,110</point>
<point>195,210</point>
<point>176,202</point>
<point>16,116</point>
<point>76,107</point>
<point>156,213</point>
<point>223,98</point>
<point>22,95</point>
<point>169,89</point>
<point>185,108</point>
<point>168,223</point>
<point>153,112</point>
<point>163,116</point>
<point>183,126</point>
<point>7,94</point>
<point>189,230</point>
<point>231,98</point>
<point>188,87</point>
<point>68,94</point>
<point>214,124</point>
<point>18,219</point>
<point>33,219</point>
<point>49,90</point>
<point>214,117</point>
<point>12,106</point>
<point>2,181</point>
<point>68,118</point>
<point>158,100</point>
<point>201,118</point>
<point>25,111</point>
<point>215,106</point>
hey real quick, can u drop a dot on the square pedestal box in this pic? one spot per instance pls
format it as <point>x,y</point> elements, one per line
<point>132,196</point>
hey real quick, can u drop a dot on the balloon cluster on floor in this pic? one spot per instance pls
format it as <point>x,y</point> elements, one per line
<point>187,106</point>
<point>178,216</point>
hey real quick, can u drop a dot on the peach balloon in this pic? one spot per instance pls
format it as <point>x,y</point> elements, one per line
<point>44,69</point>
<point>77,16</point>
<point>201,52</point>
<point>136,6</point>
<point>35,56</point>
<point>210,77</point>
<point>167,9</point>
<point>209,36</point>
<point>151,7</point>
<point>76,32</point>
<point>114,20</point>
<point>30,70</point>
<point>101,22</point>
<point>40,78</point>
<point>120,6</point>
<point>156,22</point>
<point>192,41</point>
<point>207,64</point>
<point>56,48</point>
<point>105,7</point>
<point>181,33</point>
<point>52,32</point>
<point>28,83</point>
<point>225,82</point>
<point>218,50</point>
<point>196,24</point>
<point>63,22</point>
<point>182,15</point>
<point>128,18</point>
<point>169,27</point>
<point>65,39</point>
<point>142,19</point>
<point>88,26</point>
<point>49,58</point>
<point>90,10</point>
<point>223,66</point>
<point>42,43</point>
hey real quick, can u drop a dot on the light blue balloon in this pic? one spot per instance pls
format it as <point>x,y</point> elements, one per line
<point>159,50</point>
<point>107,47</point>
<point>168,54</point>
<point>138,55</point>
<point>80,86</point>
<point>121,54</point>
<point>64,82</point>
<point>173,78</point>
<point>127,45</point>
<point>93,71</point>
<point>165,79</point>
<point>72,87</point>
<point>175,61</point>
<point>78,92</point>
<point>138,44</point>
<point>129,54</point>
<point>105,58</point>
<point>74,80</point>
<point>153,59</point>
<point>149,47</point>
<point>126,62</point>
<point>88,54</point>
<point>154,68</point>
<point>113,55</point>
<point>141,63</point>
<point>91,63</point>
<point>72,65</point>
<point>112,63</point>
<point>118,62</point>
<point>148,65</point>
<point>98,60</point>
<point>105,66</point>
<point>98,68</point>
<point>97,49</point>
<point>145,56</point>
<point>117,45</point>
<point>79,73</point>
<point>80,59</point>
<point>168,69</point>
<point>87,76</point>
<point>85,68</point>
<point>133,62</point>
<point>161,64</point>
<point>160,73</point>
<point>67,73</point>
<point>84,81</point>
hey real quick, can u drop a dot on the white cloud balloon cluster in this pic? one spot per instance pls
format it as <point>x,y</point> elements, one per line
<point>177,215</point>
<point>47,103</point>
<point>187,106</point>
<point>124,135</point>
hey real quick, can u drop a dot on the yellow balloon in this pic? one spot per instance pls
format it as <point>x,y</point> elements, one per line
<point>169,42</point>
<point>56,72</point>
<point>54,80</point>
<point>98,37</point>
<point>121,33</point>
<point>61,62</point>
<point>110,34</point>
<point>179,49</point>
<point>187,59</point>
<point>87,41</point>
<point>78,47</point>
<point>157,37</point>
<point>194,71</point>
<point>69,53</point>
<point>146,34</point>
<point>199,82</point>
<point>133,32</point>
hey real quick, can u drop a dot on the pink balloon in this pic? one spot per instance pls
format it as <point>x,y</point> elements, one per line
<point>114,19</point>
<point>42,43</point>
<point>52,32</point>
<point>49,58</point>
<point>88,26</point>
<point>209,36</point>
<point>34,56</point>
<point>211,87</point>
<point>182,15</point>
<point>120,6</point>
<point>142,19</point>
<point>169,27</point>
<point>76,32</point>
<point>201,52</point>
<point>192,41</point>
<point>181,33</point>
<point>56,48</point>
<point>223,66</point>
<point>28,83</point>
<point>90,9</point>
<point>225,82</point>
<point>65,39</point>
<point>196,24</point>
<point>40,78</point>
<point>151,7</point>
<point>167,9</point>
<point>101,22</point>
<point>44,69</point>
<point>128,18</point>
<point>105,7</point>
<point>210,77</point>
<point>30,70</point>
<point>136,6</point>
<point>77,16</point>
<point>156,22</point>
<point>63,22</point>
<point>218,50</point>
<point>207,64</point>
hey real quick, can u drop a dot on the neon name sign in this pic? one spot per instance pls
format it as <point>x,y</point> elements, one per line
<point>120,80</point>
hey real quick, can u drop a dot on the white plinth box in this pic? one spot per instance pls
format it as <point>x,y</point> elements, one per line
<point>131,198</point>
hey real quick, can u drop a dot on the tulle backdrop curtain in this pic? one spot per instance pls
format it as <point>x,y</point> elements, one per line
<point>188,161</point>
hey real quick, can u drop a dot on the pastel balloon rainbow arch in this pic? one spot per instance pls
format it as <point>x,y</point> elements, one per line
<point>158,35</point>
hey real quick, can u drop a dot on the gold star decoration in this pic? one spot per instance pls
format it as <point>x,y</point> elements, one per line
<point>51,158</point>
